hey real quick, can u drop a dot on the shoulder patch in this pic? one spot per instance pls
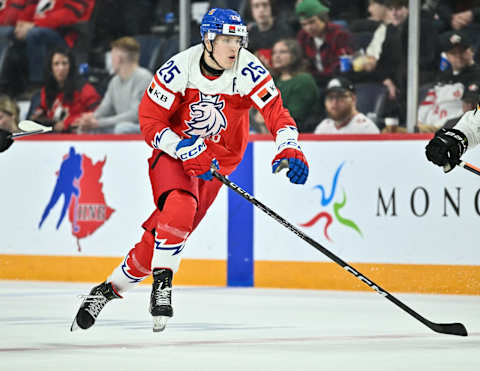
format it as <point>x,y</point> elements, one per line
<point>159,95</point>
<point>265,94</point>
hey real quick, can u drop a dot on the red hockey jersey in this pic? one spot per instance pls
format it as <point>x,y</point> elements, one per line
<point>181,102</point>
<point>59,15</point>
<point>11,10</point>
<point>84,100</point>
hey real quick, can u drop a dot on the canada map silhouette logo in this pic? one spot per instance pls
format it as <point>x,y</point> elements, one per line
<point>78,181</point>
<point>337,206</point>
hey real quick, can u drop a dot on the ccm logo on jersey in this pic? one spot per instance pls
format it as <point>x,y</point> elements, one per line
<point>160,95</point>
<point>265,94</point>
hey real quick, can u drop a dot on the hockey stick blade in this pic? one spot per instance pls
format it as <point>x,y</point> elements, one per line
<point>449,328</point>
<point>29,126</point>
<point>443,328</point>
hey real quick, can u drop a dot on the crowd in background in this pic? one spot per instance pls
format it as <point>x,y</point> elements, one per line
<point>340,65</point>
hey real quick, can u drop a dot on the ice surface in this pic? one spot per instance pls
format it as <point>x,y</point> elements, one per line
<point>235,329</point>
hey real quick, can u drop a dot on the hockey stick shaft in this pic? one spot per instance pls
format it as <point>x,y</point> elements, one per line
<point>469,167</point>
<point>449,328</point>
<point>26,133</point>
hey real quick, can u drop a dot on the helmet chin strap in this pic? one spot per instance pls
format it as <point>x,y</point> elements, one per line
<point>204,64</point>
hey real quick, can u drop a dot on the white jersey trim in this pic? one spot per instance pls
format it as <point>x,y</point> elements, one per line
<point>182,71</point>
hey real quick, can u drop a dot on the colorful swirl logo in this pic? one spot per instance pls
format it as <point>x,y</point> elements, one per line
<point>337,206</point>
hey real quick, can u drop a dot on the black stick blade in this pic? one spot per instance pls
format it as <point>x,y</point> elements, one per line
<point>450,328</point>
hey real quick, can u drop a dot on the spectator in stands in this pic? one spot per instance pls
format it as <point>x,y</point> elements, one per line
<point>470,99</point>
<point>10,11</point>
<point>428,61</point>
<point>460,15</point>
<point>227,4</point>
<point>12,69</point>
<point>377,60</point>
<point>266,30</point>
<point>443,101</point>
<point>322,42</point>
<point>115,19</point>
<point>343,117</point>
<point>346,10</point>
<point>378,11</point>
<point>398,10</point>
<point>65,96</point>
<point>9,114</point>
<point>46,24</point>
<point>381,59</point>
<point>118,111</point>
<point>299,92</point>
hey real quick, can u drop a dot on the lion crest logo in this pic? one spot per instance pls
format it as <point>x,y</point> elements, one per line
<point>207,118</point>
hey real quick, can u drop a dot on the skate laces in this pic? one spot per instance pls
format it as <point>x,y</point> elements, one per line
<point>94,303</point>
<point>162,296</point>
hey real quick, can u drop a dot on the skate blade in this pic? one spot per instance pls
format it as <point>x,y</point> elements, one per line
<point>159,323</point>
<point>74,326</point>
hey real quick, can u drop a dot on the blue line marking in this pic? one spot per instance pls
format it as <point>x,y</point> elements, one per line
<point>240,225</point>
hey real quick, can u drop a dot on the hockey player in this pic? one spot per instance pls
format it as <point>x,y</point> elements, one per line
<point>194,114</point>
<point>448,145</point>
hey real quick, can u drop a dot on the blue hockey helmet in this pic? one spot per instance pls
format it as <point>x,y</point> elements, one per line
<point>223,22</point>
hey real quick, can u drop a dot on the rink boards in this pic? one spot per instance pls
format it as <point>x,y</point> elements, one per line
<point>371,200</point>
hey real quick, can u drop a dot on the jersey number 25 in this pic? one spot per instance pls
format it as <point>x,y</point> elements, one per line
<point>255,71</point>
<point>168,72</point>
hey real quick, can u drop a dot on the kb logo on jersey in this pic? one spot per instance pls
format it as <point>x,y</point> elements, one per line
<point>207,118</point>
<point>160,96</point>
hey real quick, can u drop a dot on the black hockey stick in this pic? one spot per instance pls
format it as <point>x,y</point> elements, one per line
<point>444,328</point>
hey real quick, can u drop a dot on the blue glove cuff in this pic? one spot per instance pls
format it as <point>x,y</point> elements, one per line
<point>208,174</point>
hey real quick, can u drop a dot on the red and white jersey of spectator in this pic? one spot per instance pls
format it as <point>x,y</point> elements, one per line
<point>443,102</point>
<point>59,15</point>
<point>85,99</point>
